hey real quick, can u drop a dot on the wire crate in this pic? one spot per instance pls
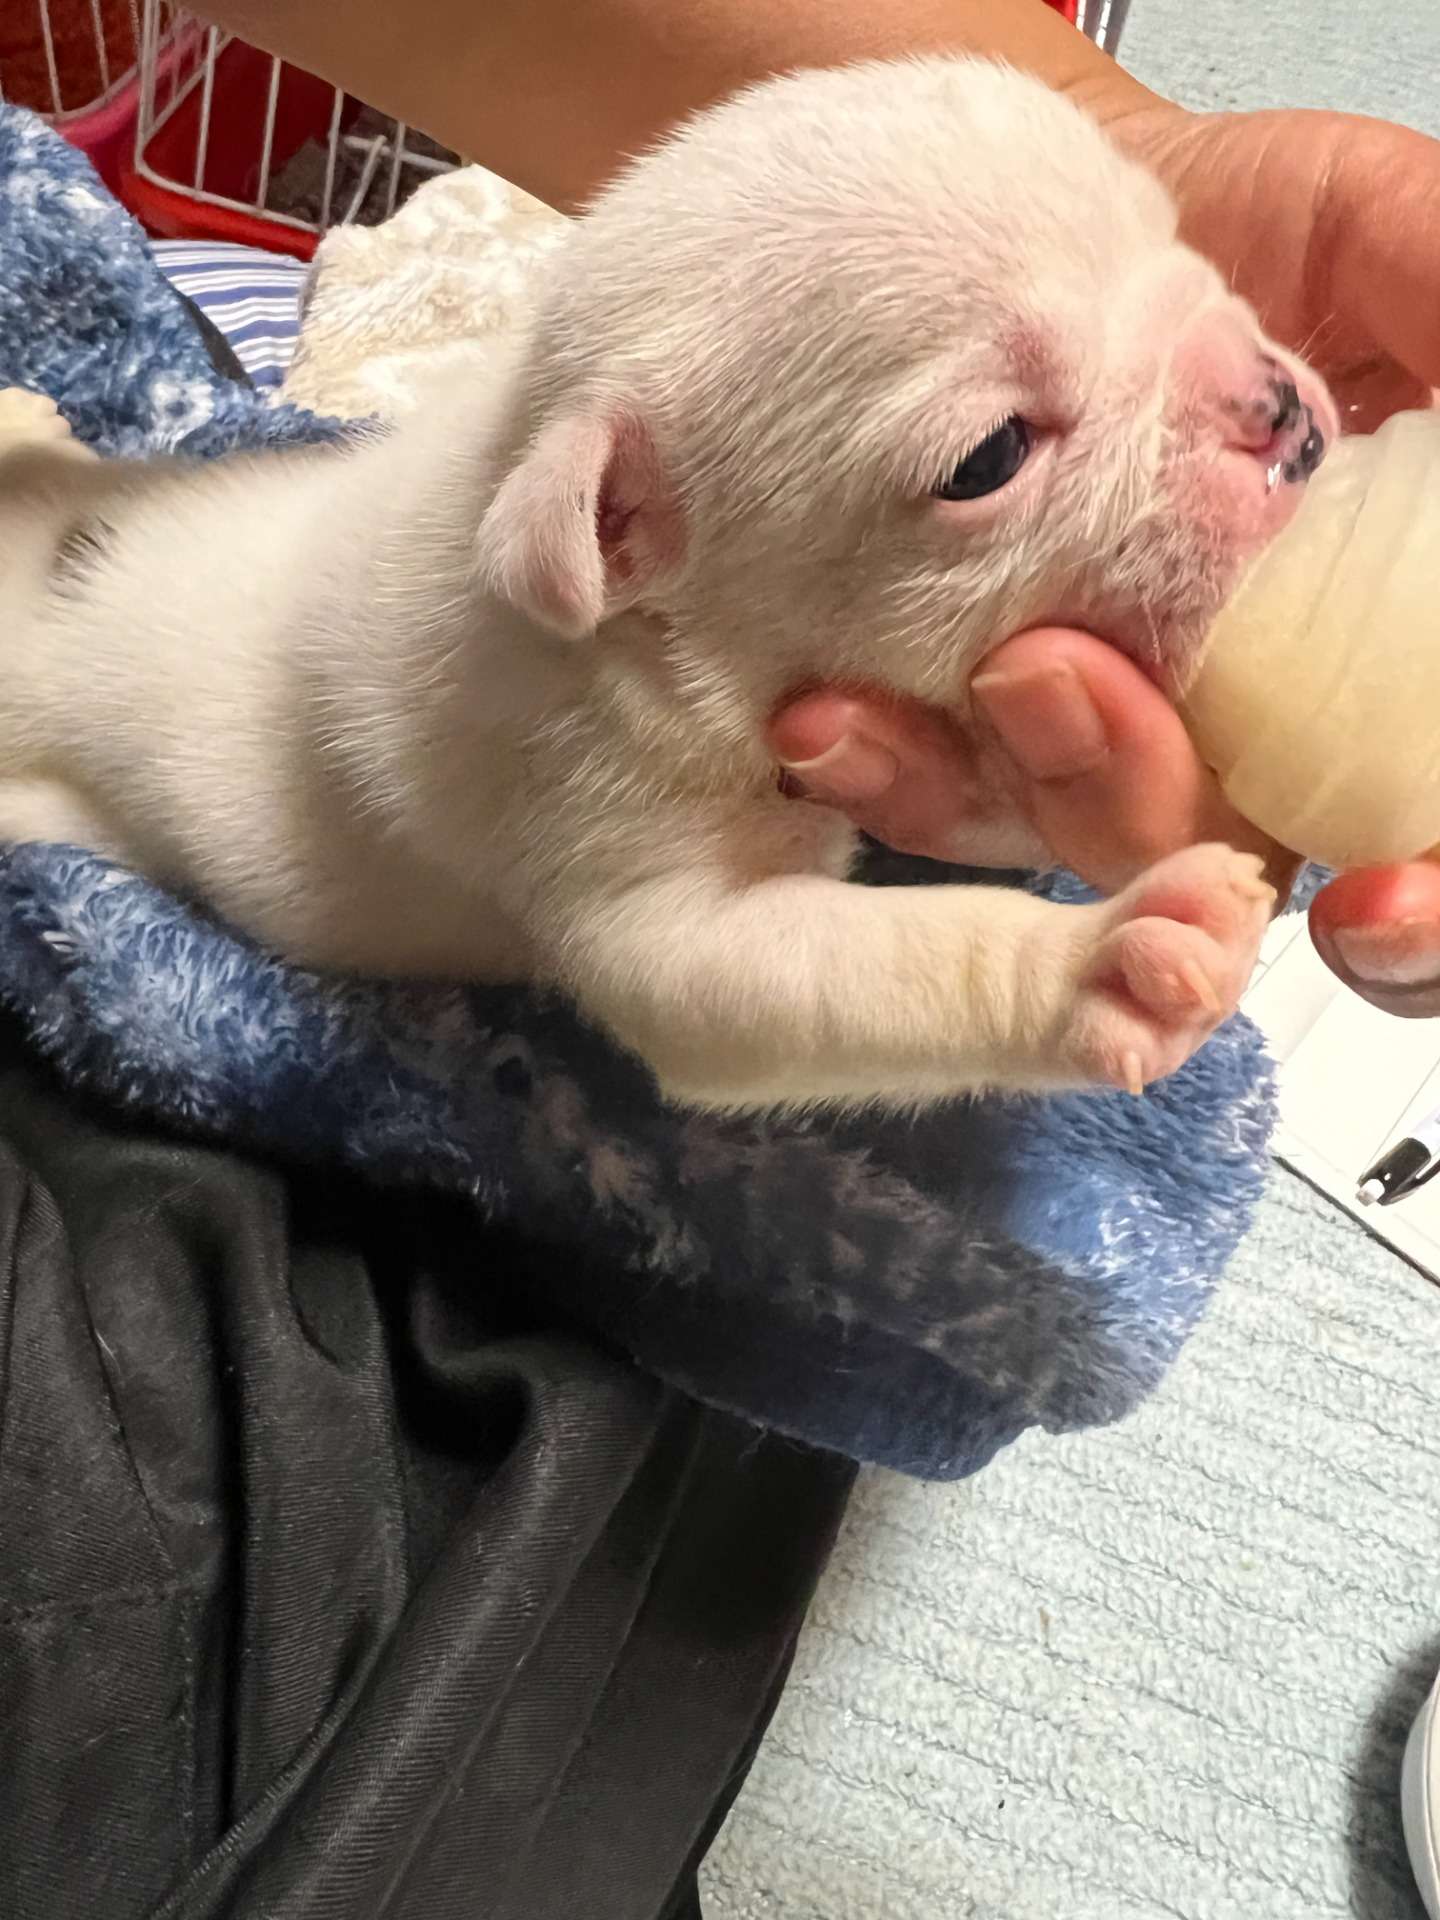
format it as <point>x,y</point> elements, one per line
<point>235,144</point>
<point>76,62</point>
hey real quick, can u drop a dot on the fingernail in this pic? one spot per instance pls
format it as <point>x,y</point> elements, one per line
<point>1046,720</point>
<point>1399,953</point>
<point>853,769</point>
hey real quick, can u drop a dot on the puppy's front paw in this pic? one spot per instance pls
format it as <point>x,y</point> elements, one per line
<point>1174,953</point>
<point>33,419</point>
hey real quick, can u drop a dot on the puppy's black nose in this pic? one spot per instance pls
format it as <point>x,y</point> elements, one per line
<point>1286,396</point>
<point>1268,418</point>
<point>1310,452</point>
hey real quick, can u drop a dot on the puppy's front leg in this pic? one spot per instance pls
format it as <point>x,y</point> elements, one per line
<point>797,989</point>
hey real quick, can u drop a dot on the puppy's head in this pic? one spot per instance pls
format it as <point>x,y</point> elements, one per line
<point>867,369</point>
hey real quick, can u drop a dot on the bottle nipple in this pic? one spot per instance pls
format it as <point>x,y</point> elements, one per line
<point>1318,700</point>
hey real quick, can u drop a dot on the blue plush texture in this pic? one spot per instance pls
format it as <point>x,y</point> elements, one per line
<point>914,1292</point>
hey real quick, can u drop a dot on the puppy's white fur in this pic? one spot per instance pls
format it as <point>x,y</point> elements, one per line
<point>485,696</point>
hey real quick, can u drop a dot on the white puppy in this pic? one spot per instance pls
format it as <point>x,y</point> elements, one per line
<point>861,372</point>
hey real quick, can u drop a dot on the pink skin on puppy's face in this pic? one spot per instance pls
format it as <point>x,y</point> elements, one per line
<point>1244,424</point>
<point>1268,416</point>
<point>1205,433</point>
<point>1238,425</point>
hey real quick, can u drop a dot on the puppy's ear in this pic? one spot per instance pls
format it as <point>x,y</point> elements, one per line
<point>583,525</point>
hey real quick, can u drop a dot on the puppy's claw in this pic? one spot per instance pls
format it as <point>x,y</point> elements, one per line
<point>1248,879</point>
<point>1132,1074</point>
<point>1202,987</point>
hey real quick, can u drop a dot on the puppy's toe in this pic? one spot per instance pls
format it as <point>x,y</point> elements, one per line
<point>1172,962</point>
<point>1211,887</point>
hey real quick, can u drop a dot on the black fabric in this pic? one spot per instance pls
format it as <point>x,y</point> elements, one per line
<point>223,357</point>
<point>330,1585</point>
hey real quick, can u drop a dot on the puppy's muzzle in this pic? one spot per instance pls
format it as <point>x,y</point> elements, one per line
<point>1277,426</point>
<point>1297,442</point>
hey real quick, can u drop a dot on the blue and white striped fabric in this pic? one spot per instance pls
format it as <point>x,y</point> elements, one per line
<point>252,297</point>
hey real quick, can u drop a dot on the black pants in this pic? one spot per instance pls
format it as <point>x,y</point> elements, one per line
<point>330,1586</point>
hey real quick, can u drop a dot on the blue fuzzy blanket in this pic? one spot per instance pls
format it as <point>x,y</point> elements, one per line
<point>916,1293</point>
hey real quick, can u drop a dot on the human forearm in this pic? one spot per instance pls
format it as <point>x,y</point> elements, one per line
<point>554,94</point>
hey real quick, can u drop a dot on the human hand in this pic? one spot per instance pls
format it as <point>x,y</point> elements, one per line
<point>1079,758</point>
<point>1324,222</point>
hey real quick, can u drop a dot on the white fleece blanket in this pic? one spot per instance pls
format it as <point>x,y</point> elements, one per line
<point>447,279</point>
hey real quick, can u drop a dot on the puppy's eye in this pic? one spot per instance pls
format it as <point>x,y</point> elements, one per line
<point>992,465</point>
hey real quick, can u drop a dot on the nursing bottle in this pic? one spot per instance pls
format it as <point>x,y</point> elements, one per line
<point>1318,701</point>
